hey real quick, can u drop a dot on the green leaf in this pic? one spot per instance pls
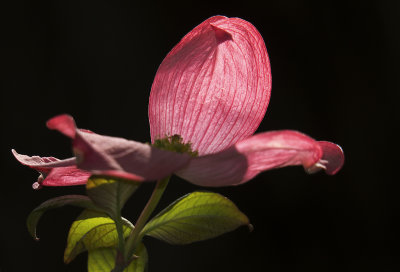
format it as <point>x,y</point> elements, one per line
<point>110,194</point>
<point>195,217</point>
<point>92,230</point>
<point>103,260</point>
<point>74,200</point>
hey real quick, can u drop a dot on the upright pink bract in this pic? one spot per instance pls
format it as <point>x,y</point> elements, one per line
<point>213,88</point>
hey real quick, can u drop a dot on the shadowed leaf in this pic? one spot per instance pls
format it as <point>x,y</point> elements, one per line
<point>74,200</point>
<point>110,194</point>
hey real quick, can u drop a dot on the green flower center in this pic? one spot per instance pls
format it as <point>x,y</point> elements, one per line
<point>175,143</point>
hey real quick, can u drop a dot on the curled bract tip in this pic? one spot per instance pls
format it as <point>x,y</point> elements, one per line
<point>332,158</point>
<point>63,123</point>
<point>221,35</point>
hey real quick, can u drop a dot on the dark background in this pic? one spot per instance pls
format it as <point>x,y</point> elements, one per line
<point>335,77</point>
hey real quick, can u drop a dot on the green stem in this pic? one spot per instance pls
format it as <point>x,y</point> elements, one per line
<point>118,269</point>
<point>120,263</point>
<point>119,225</point>
<point>134,238</point>
<point>120,257</point>
<point>121,241</point>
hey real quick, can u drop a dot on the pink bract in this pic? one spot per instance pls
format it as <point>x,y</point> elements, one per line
<point>213,90</point>
<point>54,172</point>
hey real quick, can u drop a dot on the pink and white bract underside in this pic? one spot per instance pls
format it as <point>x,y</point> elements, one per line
<point>213,90</point>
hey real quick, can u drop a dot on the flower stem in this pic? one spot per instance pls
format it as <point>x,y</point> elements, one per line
<point>134,238</point>
<point>120,256</point>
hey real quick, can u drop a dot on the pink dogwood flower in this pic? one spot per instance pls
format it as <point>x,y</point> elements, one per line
<point>213,90</point>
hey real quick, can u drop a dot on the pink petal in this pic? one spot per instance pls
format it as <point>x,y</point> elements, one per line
<point>120,157</point>
<point>42,164</point>
<point>247,158</point>
<point>213,88</point>
<point>66,176</point>
<point>54,172</point>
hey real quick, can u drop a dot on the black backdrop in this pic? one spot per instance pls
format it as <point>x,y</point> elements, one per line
<point>334,67</point>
